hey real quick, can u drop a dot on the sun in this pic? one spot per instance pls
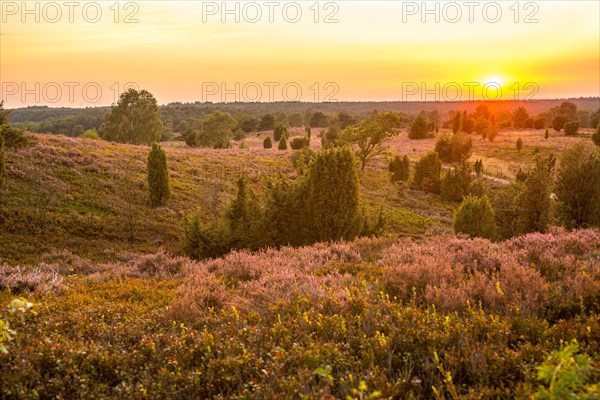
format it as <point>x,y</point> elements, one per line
<point>494,81</point>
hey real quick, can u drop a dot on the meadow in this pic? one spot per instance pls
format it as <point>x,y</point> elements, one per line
<point>419,312</point>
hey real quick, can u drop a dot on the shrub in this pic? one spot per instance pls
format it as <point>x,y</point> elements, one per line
<point>578,188</point>
<point>203,240</point>
<point>399,168</point>
<point>519,144</point>
<point>427,173</point>
<point>475,217</point>
<point>298,143</point>
<point>243,216</point>
<point>158,176</point>
<point>278,132</point>
<point>455,182</point>
<point>13,137</point>
<point>455,148</point>
<point>282,143</point>
<point>267,143</point>
<point>571,128</point>
<point>558,122</point>
<point>506,210</point>
<point>478,168</point>
<point>334,213</point>
<point>301,159</point>
<point>534,200</point>
<point>546,134</point>
<point>596,136</point>
<point>566,375</point>
<point>90,134</point>
<point>3,175</point>
<point>539,122</point>
<point>419,129</point>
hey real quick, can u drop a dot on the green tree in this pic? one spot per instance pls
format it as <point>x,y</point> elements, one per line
<point>369,136</point>
<point>558,122</point>
<point>267,123</point>
<point>475,217</point>
<point>134,119</point>
<point>333,195</point>
<point>318,120</point>
<point>217,129</point>
<point>596,136</point>
<point>427,173</point>
<point>534,200</point>
<point>478,168</point>
<point>247,123</point>
<point>456,122</point>
<point>520,115</point>
<point>578,188</point>
<point>282,143</point>
<point>454,148</point>
<point>243,216</point>
<point>278,132</point>
<point>3,175</point>
<point>267,143</point>
<point>506,210</point>
<point>202,240</point>
<point>158,176</point>
<point>399,168</point>
<point>419,129</point>
<point>455,182</point>
<point>571,128</point>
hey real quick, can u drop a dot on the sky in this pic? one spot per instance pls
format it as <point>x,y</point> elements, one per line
<point>84,53</point>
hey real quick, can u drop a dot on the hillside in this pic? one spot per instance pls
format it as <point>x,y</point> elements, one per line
<point>86,195</point>
<point>393,317</point>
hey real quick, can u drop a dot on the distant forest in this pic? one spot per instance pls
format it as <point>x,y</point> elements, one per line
<point>176,116</point>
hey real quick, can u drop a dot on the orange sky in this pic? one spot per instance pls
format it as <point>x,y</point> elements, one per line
<point>368,50</point>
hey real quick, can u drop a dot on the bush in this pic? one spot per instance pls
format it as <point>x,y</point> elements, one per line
<point>506,210</point>
<point>566,375</point>
<point>203,240</point>
<point>2,164</point>
<point>13,137</point>
<point>534,200</point>
<point>427,173</point>
<point>419,129</point>
<point>455,148</point>
<point>475,217</point>
<point>558,122</point>
<point>267,143</point>
<point>282,143</point>
<point>578,188</point>
<point>279,132</point>
<point>546,134</point>
<point>455,182</point>
<point>571,128</point>
<point>596,136</point>
<point>298,143</point>
<point>335,214</point>
<point>158,176</point>
<point>90,134</point>
<point>519,144</point>
<point>400,169</point>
